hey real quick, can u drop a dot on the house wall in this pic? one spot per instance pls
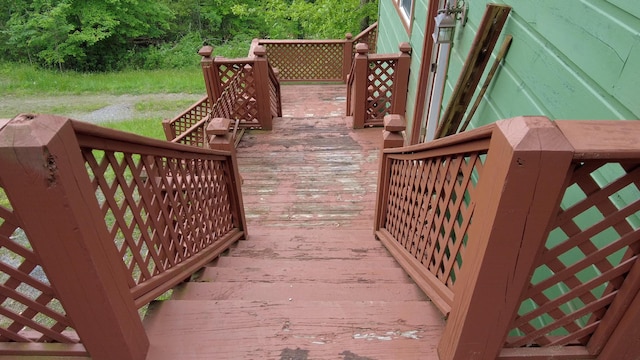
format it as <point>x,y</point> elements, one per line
<point>393,32</point>
<point>568,59</point>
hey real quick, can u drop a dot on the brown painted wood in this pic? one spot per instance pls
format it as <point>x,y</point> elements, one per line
<point>591,140</point>
<point>311,277</point>
<point>311,170</point>
<point>548,353</point>
<point>240,329</point>
<point>507,234</point>
<point>359,93</point>
<point>326,271</point>
<point>307,291</point>
<point>44,155</point>
<point>440,295</point>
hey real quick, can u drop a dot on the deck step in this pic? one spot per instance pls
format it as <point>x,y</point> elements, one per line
<point>319,271</point>
<point>239,329</point>
<point>297,291</point>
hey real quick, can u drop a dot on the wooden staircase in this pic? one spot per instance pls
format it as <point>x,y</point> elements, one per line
<point>311,281</point>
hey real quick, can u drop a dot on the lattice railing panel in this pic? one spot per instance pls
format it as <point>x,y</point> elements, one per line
<point>429,209</point>
<point>191,117</point>
<point>369,37</point>
<point>306,61</point>
<point>380,87</point>
<point>30,311</point>
<point>592,246</point>
<point>229,71</point>
<point>274,94</point>
<point>160,211</point>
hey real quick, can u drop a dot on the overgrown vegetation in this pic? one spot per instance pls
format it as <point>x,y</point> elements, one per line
<point>24,79</point>
<point>104,35</point>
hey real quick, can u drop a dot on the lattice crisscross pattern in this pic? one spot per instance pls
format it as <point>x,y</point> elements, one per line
<point>229,71</point>
<point>429,209</point>
<point>160,211</point>
<point>380,87</point>
<point>306,61</point>
<point>192,116</point>
<point>238,101</point>
<point>30,311</point>
<point>591,248</point>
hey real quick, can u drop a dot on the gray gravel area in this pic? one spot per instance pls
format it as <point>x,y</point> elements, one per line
<point>107,107</point>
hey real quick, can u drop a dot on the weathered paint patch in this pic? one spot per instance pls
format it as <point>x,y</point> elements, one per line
<point>291,354</point>
<point>348,355</point>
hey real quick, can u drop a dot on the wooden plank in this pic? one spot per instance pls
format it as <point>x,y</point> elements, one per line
<point>298,291</point>
<point>13,350</point>
<point>554,352</point>
<point>236,329</point>
<point>43,155</point>
<point>602,139</point>
<point>326,263</point>
<point>343,271</point>
<point>488,32</point>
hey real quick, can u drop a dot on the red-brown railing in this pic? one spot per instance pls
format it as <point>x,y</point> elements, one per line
<point>377,85</point>
<point>526,234</point>
<point>256,100</point>
<point>247,90</point>
<point>316,60</point>
<point>95,224</point>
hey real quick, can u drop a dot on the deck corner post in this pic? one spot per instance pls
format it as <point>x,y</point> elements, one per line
<point>529,161</point>
<point>347,56</point>
<point>211,76</point>
<point>401,80</point>
<point>45,177</point>
<point>263,95</point>
<point>360,92</point>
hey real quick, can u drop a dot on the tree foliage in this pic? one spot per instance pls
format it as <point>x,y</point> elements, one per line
<point>110,34</point>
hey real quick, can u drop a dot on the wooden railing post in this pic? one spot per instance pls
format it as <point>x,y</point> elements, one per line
<point>263,93</point>
<point>360,92</point>
<point>220,138</point>
<point>210,73</point>
<point>401,80</point>
<point>52,195</point>
<point>347,56</point>
<point>392,137</point>
<point>526,170</point>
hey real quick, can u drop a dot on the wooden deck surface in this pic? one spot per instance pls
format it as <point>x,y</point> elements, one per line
<point>311,281</point>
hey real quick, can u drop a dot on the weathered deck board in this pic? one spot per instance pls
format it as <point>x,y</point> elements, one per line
<point>299,291</point>
<point>240,329</point>
<point>311,281</point>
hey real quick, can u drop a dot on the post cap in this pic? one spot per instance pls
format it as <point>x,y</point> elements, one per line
<point>206,51</point>
<point>362,48</point>
<point>405,47</point>
<point>260,50</point>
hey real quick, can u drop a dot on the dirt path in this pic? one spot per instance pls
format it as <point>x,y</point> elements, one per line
<point>99,108</point>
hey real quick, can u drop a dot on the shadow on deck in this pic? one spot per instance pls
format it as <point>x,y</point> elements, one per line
<point>311,281</point>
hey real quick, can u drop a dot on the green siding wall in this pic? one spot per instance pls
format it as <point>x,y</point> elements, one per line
<point>393,32</point>
<point>568,60</point>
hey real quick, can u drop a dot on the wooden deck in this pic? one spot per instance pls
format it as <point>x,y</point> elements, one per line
<point>311,281</point>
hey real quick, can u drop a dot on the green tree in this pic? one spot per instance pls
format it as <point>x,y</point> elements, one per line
<point>91,34</point>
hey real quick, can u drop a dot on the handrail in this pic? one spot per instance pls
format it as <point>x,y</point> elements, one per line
<point>524,233</point>
<point>368,36</point>
<point>244,89</point>
<point>136,217</point>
